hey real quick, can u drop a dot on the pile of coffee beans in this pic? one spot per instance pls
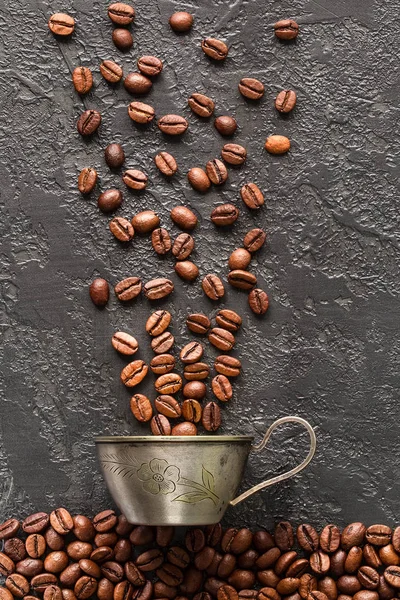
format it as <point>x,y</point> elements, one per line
<point>65,557</point>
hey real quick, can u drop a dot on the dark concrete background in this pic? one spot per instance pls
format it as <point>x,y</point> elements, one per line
<point>327,350</point>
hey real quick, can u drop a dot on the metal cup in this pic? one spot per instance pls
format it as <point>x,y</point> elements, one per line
<point>183,480</point>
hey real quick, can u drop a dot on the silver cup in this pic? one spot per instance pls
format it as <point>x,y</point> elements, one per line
<point>183,480</point>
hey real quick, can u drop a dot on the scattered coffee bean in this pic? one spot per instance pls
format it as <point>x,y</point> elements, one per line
<point>254,240</point>
<point>162,343</point>
<point>194,389</point>
<point>211,418</point>
<point>185,428</point>
<point>134,373</point>
<point>191,411</point>
<point>392,576</point>
<point>191,353</point>
<point>145,221</point>
<point>173,124</point>
<point>162,364</point>
<point>221,386</point>
<point>9,529</point>
<point>85,587</point>
<point>181,21</point>
<point>99,292</point>
<point>228,319</point>
<point>109,200</point>
<point>187,270</point>
<point>7,566</point>
<point>196,371</point>
<point>122,229</point>
<point>307,537</point>
<point>285,101</point>
<point>378,535</point>
<point>136,83</point>
<point>35,545</point>
<point>87,180</point>
<point>124,343</point>
<point>234,154</point>
<point>183,217</point>
<point>141,408</point>
<point>183,246</point>
<point>111,71</point>
<point>213,287</point>
<point>128,289</point>
<point>198,179</point>
<point>134,179</point>
<point>251,88</point>
<point>222,339</point>
<point>225,125</point>
<point>61,24</point>
<point>140,112</point>
<point>166,163</point>
<point>239,259</point>
<point>243,280</point>
<point>228,365</point>
<point>18,585</point>
<point>121,14</point>
<point>224,215</point>
<point>114,156</point>
<point>160,425</point>
<point>252,196</point>
<point>150,560</point>
<point>61,521</point>
<point>330,535</point>
<point>258,301</point>
<point>122,39</point>
<point>36,523</point>
<point>150,65</point>
<point>161,241</point>
<point>286,29</point>
<point>82,79</point>
<point>88,122</point>
<point>215,49</point>
<point>216,171</point>
<point>201,105</point>
<point>198,323</point>
<point>277,144</point>
<point>168,406</point>
<point>353,535</point>
<point>158,288</point>
<point>158,322</point>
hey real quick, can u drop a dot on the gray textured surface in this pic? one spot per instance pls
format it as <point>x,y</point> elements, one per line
<point>328,349</point>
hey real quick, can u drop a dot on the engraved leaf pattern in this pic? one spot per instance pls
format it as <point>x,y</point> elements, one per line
<point>208,479</point>
<point>191,497</point>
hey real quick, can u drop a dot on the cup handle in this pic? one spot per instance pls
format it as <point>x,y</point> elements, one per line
<point>283,476</point>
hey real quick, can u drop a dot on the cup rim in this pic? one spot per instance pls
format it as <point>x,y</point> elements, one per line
<point>150,439</point>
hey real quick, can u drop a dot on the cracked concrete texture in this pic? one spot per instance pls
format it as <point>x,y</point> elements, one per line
<point>327,350</point>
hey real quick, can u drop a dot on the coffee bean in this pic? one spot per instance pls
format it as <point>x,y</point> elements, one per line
<point>195,540</point>
<point>181,21</point>
<point>284,562</point>
<point>56,561</point>
<point>121,14</point>
<point>366,595</point>
<point>7,595</point>
<point>123,591</point>
<point>239,259</point>
<point>198,179</point>
<point>61,24</point>
<point>389,556</point>
<point>224,215</point>
<point>247,559</point>
<point>212,586</point>
<point>150,560</point>
<point>244,280</point>
<point>102,554</point>
<point>158,288</point>
<point>89,567</point>
<point>319,562</point>
<point>353,560</point>
<point>191,353</point>
<point>145,221</point>
<point>185,428</point>
<point>222,388</point>
<point>113,571</point>
<point>158,322</point>
<point>227,565</point>
<point>252,196</point>
<point>183,217</point>
<point>123,528</point>
<point>288,585</point>
<point>99,292</point>
<point>162,343</point>
<point>166,163</point>
<point>122,229</point>
<point>308,584</point>
<point>298,568</point>
<point>150,65</point>
<point>284,537</point>
<point>160,425</point>
<point>141,112</point>
<point>85,587</point>
<point>268,558</point>
<point>187,270</point>
<point>216,171</point>
<point>201,105</point>
<point>161,241</point>
<point>228,319</point>
<point>213,287</point>
<point>242,579</point>
<point>277,144</point>
<point>196,371</point>
<point>183,246</point>
<point>396,539</point>
<point>104,521</point>
<point>9,529</point>
<point>111,71</point>
<point>286,29</point>
<point>215,49</point>
<point>87,180</point>
<point>122,39</point>
<point>316,595</point>
<point>307,537</point>
<point>227,365</point>
<point>225,125</point>
<point>88,122</point>
<point>198,323</point>
<point>138,84</point>
<point>143,593</point>
<point>168,406</point>
<point>191,410</point>
<point>164,535</point>
<point>35,545</point>
<point>168,384</point>
<point>134,179</point>
<point>262,540</point>
<point>77,550</point>
<point>7,566</point>
<point>251,88</point>
<point>18,585</point>
<point>82,79</point>
<point>371,556</point>
<point>211,418</point>
<point>54,540</point>
<point>141,408</point>
<point>353,535</point>
<point>368,577</point>
<point>134,373</point>
<point>128,288</point>
<point>114,156</point>
<point>285,101</point>
<point>178,556</point>
<point>173,124</point>
<point>234,154</point>
<point>268,593</point>
<point>329,538</point>
<point>338,559</point>
<point>83,528</point>
<point>134,574</point>
<point>15,549</point>
<point>194,389</point>
<point>61,521</point>
<point>254,240</point>
<point>385,591</point>
<point>258,301</point>
<point>222,339</point>
<point>109,200</point>
<point>378,535</point>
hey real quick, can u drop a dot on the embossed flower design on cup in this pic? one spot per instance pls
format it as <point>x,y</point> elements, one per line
<point>158,476</point>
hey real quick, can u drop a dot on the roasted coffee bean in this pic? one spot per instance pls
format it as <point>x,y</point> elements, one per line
<point>181,21</point>
<point>114,156</point>
<point>150,560</point>
<point>338,559</point>
<point>239,259</point>
<point>268,593</point>
<point>161,241</point>
<point>198,323</point>
<point>85,587</point>
<point>284,562</point>
<point>166,163</point>
<point>252,196</point>
<point>216,171</point>
<point>251,88</point>
<point>201,105</point>
<point>385,591</point>
<point>371,556</point>
<point>82,79</point>
<point>215,49</point>
<point>162,590</point>
<point>320,562</point>
<point>317,596</point>
<point>158,288</point>
<point>183,246</point>
<point>222,388</point>
<point>194,389</point>
<point>145,221</point>
<point>158,322</point>
<point>9,529</point>
<point>105,521</point>
<point>162,343</point>
<point>102,554</point>
<point>213,567</point>
<point>7,595</point>
<point>173,124</point>
<point>268,558</point>
<point>121,14</point>
<point>213,287</point>
<point>284,537</point>
<point>123,591</point>
<point>236,540</point>
<point>297,568</point>
<point>163,363</point>
<point>244,280</point>
<point>134,179</point>
<point>353,535</point>
<point>191,353</point>
<point>109,200</point>
<point>285,101</point>
<point>396,539</point>
<point>227,565</point>
<point>7,566</point>
<point>254,240</point>
<point>183,217</point>
<point>277,144</point>
<point>242,579</point>
<point>52,592</point>
<point>247,559</point>
<point>141,408</point>
<point>224,215</point>
<point>268,578</point>
<point>366,595</point>
<point>128,288</point>
<point>222,339</point>
<point>87,180</point>
<point>328,586</point>
<point>141,112</point>
<point>168,406</point>
<point>15,549</point>
<point>234,154</point>
<point>198,179</point>
<point>124,343</point>
<point>134,575</point>
<point>18,585</point>
<point>54,540</point>
<point>112,571</point>
<point>170,574</point>
<point>191,410</point>
<point>288,586</point>
<point>143,593</point>
<point>138,84</point>
<point>178,556</point>
<point>109,538</point>
<point>195,540</point>
<point>196,371</point>
<point>111,71</point>
<point>61,24</point>
<point>61,521</point>
<point>378,535</point>
<point>134,373</point>
<point>286,29</point>
<point>35,545</point>
<point>88,122</point>
<point>388,555</point>
<point>307,537</point>
<point>228,319</point>
<point>122,229</point>
<point>40,582</point>
<point>122,39</point>
<point>185,428</point>
<point>212,585</point>
<point>225,125</point>
<point>168,384</point>
<point>70,575</point>
<point>123,528</point>
<point>368,577</point>
<point>308,584</point>
<point>227,592</point>
<point>150,65</point>
<point>89,567</point>
<point>211,418</point>
<point>330,538</point>
<point>227,365</point>
<point>263,540</point>
<point>164,535</point>
<point>56,561</point>
<point>187,270</point>
<point>142,535</point>
<point>353,560</point>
